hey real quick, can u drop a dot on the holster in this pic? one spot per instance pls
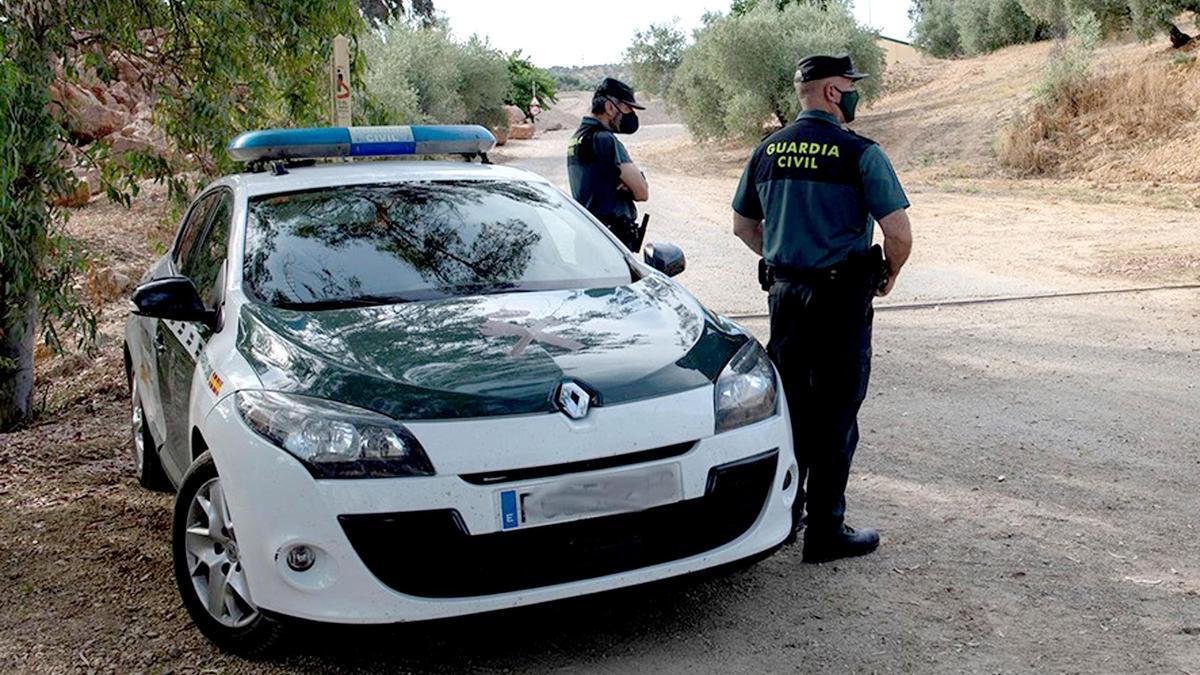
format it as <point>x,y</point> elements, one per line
<point>627,231</point>
<point>877,267</point>
<point>766,275</point>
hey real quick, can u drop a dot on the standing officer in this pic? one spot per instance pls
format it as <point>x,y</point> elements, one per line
<point>808,202</point>
<point>603,177</point>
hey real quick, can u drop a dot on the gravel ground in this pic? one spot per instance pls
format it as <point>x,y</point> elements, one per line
<point>1031,465</point>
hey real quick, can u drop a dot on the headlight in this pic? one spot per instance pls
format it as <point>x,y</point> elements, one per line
<point>745,391</point>
<point>334,440</point>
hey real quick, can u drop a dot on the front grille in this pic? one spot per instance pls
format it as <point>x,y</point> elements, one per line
<point>548,470</point>
<point>431,554</point>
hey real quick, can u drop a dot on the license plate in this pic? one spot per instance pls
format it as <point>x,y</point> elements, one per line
<point>587,497</point>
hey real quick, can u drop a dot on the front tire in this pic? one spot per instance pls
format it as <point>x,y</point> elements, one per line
<point>208,571</point>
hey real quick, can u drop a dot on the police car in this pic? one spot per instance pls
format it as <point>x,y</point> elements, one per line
<point>390,391</point>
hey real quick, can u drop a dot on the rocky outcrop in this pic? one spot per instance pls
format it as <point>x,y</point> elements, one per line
<point>521,132</point>
<point>518,129</point>
<point>515,115</point>
<point>117,114</point>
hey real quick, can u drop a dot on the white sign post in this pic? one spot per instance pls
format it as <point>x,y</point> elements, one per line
<point>340,81</point>
<point>534,108</point>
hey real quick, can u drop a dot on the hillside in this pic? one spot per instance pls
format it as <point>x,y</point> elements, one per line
<point>1136,122</point>
<point>587,77</point>
<point>572,105</point>
<point>1133,136</point>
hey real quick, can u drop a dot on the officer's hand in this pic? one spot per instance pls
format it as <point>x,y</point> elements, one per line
<point>887,288</point>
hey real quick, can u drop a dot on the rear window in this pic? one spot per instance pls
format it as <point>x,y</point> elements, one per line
<point>378,244</point>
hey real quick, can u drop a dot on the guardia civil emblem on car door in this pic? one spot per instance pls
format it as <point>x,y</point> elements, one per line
<point>573,400</point>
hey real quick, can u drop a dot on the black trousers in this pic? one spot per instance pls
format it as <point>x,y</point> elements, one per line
<point>821,344</point>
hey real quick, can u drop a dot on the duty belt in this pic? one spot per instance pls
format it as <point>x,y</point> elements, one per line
<point>799,275</point>
<point>860,265</point>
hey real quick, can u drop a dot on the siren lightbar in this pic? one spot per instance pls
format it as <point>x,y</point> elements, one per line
<point>323,142</point>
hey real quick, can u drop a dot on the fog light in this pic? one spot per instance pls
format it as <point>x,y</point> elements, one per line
<point>301,558</point>
<point>787,480</point>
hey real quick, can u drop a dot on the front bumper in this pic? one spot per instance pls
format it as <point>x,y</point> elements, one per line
<point>409,549</point>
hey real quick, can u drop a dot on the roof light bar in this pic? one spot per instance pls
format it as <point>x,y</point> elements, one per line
<point>273,144</point>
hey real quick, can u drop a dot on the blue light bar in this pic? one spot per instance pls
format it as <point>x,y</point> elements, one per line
<point>326,142</point>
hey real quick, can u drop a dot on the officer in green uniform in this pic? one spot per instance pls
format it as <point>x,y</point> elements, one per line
<point>808,203</point>
<point>603,177</point>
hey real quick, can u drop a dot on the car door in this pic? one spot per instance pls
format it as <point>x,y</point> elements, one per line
<point>182,341</point>
<point>156,397</point>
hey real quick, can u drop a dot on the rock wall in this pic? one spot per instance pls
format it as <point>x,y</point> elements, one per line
<point>118,114</point>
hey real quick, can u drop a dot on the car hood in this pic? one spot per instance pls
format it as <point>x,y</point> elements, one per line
<point>493,354</point>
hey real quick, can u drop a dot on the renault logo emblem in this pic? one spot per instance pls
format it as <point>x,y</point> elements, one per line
<point>574,400</point>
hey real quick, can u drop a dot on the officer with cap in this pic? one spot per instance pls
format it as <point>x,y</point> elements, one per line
<point>603,177</point>
<point>808,203</point>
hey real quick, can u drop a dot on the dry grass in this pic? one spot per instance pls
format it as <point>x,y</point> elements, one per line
<point>1134,121</point>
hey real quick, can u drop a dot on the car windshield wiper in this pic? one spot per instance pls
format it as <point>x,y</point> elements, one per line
<point>346,303</point>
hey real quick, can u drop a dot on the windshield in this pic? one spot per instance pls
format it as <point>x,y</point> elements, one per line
<point>377,244</point>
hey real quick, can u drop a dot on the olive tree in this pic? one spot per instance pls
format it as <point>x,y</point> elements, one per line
<point>420,74</point>
<point>947,28</point>
<point>218,67</point>
<point>739,71</point>
<point>934,28</point>
<point>654,55</point>
<point>1145,17</point>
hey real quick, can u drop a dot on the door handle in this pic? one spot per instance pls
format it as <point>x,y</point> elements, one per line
<point>160,345</point>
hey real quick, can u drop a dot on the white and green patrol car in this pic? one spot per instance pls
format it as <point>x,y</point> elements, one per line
<point>390,391</point>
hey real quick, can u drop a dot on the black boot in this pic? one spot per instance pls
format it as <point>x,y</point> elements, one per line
<point>841,543</point>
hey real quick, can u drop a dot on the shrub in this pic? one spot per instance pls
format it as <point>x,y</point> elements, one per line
<point>419,75</point>
<point>1067,72</point>
<point>1058,99</point>
<point>482,83</point>
<point>738,73</point>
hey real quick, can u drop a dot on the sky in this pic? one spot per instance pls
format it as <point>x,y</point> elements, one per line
<point>575,33</point>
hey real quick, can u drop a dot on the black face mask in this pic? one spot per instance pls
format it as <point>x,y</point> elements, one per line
<point>628,124</point>
<point>624,123</point>
<point>848,103</point>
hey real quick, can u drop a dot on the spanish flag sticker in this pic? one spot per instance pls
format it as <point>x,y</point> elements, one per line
<point>214,383</point>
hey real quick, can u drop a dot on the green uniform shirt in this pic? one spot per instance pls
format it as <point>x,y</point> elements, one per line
<point>818,189</point>
<point>594,159</point>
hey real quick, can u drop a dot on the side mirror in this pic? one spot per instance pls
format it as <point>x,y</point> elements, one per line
<point>172,298</point>
<point>666,258</point>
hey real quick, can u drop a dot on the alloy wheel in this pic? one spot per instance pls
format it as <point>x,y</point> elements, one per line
<point>213,561</point>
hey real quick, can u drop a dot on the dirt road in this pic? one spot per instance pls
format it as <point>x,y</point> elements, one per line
<point>1032,466</point>
<point>978,237</point>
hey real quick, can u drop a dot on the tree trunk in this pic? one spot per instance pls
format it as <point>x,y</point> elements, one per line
<point>16,365</point>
